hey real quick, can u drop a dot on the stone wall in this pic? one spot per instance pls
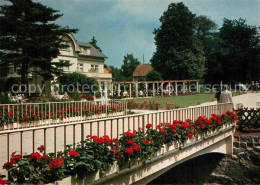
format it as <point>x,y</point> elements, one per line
<point>244,144</point>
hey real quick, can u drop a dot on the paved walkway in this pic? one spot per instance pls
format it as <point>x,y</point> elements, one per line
<point>248,100</point>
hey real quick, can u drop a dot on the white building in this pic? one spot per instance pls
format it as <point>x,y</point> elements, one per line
<point>85,59</point>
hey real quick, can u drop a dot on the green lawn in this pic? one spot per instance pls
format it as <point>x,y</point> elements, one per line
<point>182,101</point>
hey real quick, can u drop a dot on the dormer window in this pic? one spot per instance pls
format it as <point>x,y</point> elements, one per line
<point>85,50</point>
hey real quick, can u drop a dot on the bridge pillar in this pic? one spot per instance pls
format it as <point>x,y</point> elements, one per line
<point>229,145</point>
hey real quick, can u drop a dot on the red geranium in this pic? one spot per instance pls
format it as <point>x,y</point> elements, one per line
<point>2,181</point>
<point>56,163</point>
<point>45,157</point>
<point>41,148</point>
<point>190,136</point>
<point>130,142</point>
<point>129,151</point>
<point>146,141</point>
<point>135,147</point>
<point>7,165</point>
<point>73,153</point>
<point>35,155</point>
<point>149,125</point>
<point>129,134</point>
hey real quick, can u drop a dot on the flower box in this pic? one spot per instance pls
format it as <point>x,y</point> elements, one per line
<point>113,169</point>
<point>169,147</point>
<point>124,165</point>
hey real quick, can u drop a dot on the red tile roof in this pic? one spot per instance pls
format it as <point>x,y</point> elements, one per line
<point>142,70</point>
<point>107,70</point>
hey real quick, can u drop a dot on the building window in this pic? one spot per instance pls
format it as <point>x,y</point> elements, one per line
<point>80,68</point>
<point>85,51</point>
<point>94,68</point>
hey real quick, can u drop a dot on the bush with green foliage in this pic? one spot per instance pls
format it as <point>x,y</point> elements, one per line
<point>77,82</point>
<point>153,76</point>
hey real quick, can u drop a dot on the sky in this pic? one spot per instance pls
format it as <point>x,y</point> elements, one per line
<point>126,26</point>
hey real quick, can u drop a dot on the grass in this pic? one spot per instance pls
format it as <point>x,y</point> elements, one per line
<point>182,101</point>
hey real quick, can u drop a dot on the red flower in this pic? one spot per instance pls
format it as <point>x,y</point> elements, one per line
<point>10,113</point>
<point>161,130</point>
<point>190,136</point>
<point>130,142</point>
<point>35,155</point>
<point>173,131</point>
<point>184,125</point>
<point>73,153</point>
<point>172,126</point>
<point>45,157</point>
<point>94,137</point>
<point>25,118</point>
<point>41,148</point>
<point>146,141</point>
<point>7,165</point>
<point>2,181</point>
<point>17,157</point>
<point>202,126</point>
<point>56,163</point>
<point>149,125</point>
<point>135,147</point>
<point>129,151</point>
<point>129,134</point>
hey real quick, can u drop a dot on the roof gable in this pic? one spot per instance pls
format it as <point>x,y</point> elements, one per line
<point>142,70</point>
<point>93,51</point>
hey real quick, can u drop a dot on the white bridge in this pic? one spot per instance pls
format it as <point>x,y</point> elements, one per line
<point>56,136</point>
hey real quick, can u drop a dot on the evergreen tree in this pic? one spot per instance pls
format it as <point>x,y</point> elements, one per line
<point>94,43</point>
<point>129,65</point>
<point>29,39</point>
<point>179,54</point>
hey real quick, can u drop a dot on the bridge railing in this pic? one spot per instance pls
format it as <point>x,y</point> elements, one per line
<point>26,115</point>
<point>55,137</point>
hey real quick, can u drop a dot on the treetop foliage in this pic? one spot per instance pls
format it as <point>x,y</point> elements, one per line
<point>94,43</point>
<point>179,54</point>
<point>29,38</point>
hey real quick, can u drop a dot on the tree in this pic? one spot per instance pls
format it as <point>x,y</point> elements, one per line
<point>241,45</point>
<point>179,54</point>
<point>129,65</point>
<point>206,31</point>
<point>94,43</point>
<point>204,27</point>
<point>153,76</point>
<point>77,81</point>
<point>117,75</point>
<point>29,39</point>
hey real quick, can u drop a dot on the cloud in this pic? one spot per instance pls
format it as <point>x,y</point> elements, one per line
<point>126,26</point>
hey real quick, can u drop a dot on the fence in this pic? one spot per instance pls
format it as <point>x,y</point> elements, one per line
<point>249,118</point>
<point>55,137</point>
<point>15,116</point>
